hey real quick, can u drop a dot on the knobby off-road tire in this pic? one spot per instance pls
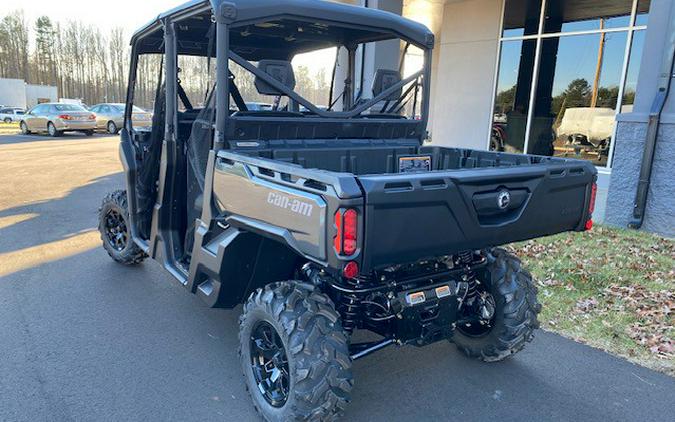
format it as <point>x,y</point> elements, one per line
<point>516,312</point>
<point>121,246</point>
<point>318,362</point>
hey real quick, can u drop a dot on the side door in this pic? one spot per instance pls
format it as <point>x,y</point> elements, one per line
<point>32,117</point>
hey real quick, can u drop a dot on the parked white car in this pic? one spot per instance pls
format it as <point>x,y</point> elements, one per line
<point>11,114</point>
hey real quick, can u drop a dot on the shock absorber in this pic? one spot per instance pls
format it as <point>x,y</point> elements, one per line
<point>351,304</point>
<point>465,258</point>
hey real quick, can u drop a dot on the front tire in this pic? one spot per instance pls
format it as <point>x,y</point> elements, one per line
<point>294,354</point>
<point>112,128</point>
<point>515,316</point>
<point>115,230</point>
<point>24,128</point>
<point>8,120</point>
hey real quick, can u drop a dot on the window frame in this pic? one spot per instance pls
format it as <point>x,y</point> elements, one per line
<point>539,37</point>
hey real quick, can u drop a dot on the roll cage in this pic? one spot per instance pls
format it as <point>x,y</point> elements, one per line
<point>212,34</point>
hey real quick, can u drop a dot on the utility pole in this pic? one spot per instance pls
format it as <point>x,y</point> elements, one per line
<point>598,67</point>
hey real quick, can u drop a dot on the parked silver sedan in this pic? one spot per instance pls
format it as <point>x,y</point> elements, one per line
<point>57,118</point>
<point>110,117</point>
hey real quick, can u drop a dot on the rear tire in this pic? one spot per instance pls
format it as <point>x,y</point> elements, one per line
<point>114,228</point>
<point>8,120</point>
<point>89,133</point>
<point>315,370</point>
<point>51,130</point>
<point>516,311</point>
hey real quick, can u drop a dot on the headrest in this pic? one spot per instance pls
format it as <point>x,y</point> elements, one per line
<point>280,70</point>
<point>384,79</point>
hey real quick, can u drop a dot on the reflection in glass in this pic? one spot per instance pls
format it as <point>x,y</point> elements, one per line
<point>633,69</point>
<point>521,17</point>
<point>576,96</point>
<point>585,15</point>
<point>512,98</point>
<point>642,12</point>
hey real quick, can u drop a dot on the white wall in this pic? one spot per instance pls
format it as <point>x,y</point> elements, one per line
<point>35,92</point>
<point>13,92</point>
<point>464,83</point>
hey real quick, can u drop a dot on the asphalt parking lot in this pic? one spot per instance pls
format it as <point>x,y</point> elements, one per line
<point>85,339</point>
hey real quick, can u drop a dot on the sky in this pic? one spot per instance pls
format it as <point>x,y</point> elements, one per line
<point>128,14</point>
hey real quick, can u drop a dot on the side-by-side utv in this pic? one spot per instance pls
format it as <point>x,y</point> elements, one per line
<point>332,216</point>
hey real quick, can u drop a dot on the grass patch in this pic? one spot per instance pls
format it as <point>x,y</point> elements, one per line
<point>9,128</point>
<point>610,288</point>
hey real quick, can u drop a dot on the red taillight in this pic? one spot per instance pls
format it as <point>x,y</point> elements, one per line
<point>346,224</point>
<point>65,117</point>
<point>92,117</point>
<point>350,220</point>
<point>591,207</point>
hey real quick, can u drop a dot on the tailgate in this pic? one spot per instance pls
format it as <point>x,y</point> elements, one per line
<point>414,216</point>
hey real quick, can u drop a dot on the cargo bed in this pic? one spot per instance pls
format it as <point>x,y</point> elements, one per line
<point>468,200</point>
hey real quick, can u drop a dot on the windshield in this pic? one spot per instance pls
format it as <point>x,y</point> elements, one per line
<point>69,107</point>
<point>120,108</point>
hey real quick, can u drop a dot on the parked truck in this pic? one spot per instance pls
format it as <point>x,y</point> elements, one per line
<point>325,221</point>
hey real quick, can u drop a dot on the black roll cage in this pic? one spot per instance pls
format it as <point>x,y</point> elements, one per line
<point>224,22</point>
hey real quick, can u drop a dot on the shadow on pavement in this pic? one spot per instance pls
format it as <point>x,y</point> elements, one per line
<point>18,138</point>
<point>55,219</point>
<point>94,340</point>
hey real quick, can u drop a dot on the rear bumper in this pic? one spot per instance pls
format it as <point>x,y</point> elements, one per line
<point>75,125</point>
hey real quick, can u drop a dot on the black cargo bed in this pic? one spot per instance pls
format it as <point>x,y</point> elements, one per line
<point>456,206</point>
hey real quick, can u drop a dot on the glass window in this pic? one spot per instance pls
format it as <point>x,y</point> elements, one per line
<point>68,107</point>
<point>585,15</point>
<point>521,17</point>
<point>148,74</point>
<point>633,69</point>
<point>576,97</point>
<point>642,12</point>
<point>514,83</point>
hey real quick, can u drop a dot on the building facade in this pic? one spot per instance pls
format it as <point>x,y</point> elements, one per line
<point>566,78</point>
<point>17,93</point>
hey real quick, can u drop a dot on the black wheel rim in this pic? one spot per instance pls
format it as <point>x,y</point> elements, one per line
<point>269,364</point>
<point>116,230</point>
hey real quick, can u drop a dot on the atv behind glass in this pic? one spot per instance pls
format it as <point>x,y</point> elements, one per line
<point>327,216</point>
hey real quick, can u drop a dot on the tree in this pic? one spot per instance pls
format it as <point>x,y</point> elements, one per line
<point>505,99</point>
<point>45,67</point>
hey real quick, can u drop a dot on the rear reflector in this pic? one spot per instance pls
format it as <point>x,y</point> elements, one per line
<point>351,270</point>
<point>415,298</point>
<point>589,224</point>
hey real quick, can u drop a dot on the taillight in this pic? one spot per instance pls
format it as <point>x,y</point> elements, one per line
<point>65,117</point>
<point>346,224</point>
<point>591,207</point>
<point>92,117</point>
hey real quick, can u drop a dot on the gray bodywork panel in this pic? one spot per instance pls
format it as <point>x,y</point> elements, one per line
<point>280,200</point>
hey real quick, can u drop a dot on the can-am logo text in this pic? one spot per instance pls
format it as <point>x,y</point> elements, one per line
<point>294,205</point>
